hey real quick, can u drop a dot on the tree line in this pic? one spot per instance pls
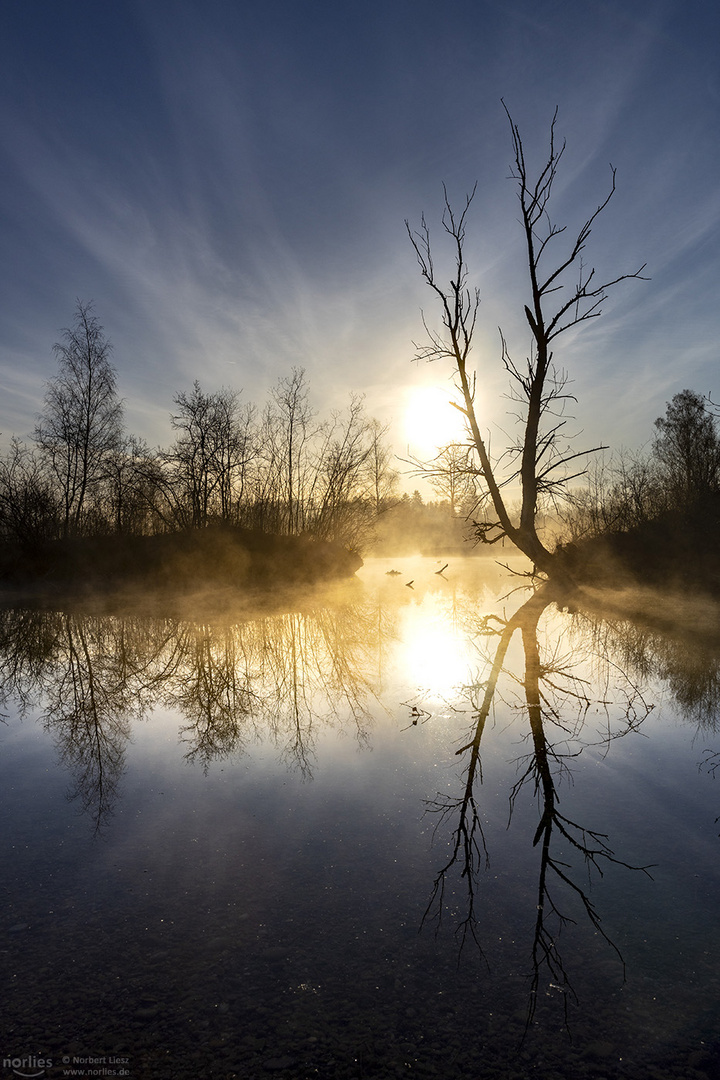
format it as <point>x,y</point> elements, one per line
<point>678,476</point>
<point>279,469</point>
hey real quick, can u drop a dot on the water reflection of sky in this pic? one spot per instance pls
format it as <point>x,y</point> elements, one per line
<point>250,898</point>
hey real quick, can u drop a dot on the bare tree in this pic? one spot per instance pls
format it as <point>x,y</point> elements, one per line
<point>295,415</point>
<point>208,460</point>
<point>620,495</point>
<point>285,438</point>
<point>81,422</point>
<point>383,478</point>
<point>452,475</point>
<point>337,504</point>
<point>130,493</point>
<point>28,507</point>
<point>563,294</point>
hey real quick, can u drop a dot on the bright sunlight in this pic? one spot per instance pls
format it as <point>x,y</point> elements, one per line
<point>431,421</point>
<point>434,655</point>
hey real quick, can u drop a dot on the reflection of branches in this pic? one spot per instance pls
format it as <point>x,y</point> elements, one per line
<point>711,761</point>
<point>417,714</point>
<point>231,682</point>
<point>685,655</point>
<point>210,684</point>
<point>73,665</point>
<point>86,714</point>
<point>313,666</point>
<point>468,841</point>
<point>681,655</point>
<point>28,650</point>
<point>549,688</point>
<point>592,846</point>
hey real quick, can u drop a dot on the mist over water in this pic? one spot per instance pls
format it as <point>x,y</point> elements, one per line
<point>422,821</point>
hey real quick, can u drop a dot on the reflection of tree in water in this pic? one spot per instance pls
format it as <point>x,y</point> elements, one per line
<point>234,683</point>
<point>285,676</point>
<point>282,675</point>
<point>87,715</point>
<point>314,668</point>
<point>556,702</point>
<point>209,682</point>
<point>79,670</point>
<point>685,658</point>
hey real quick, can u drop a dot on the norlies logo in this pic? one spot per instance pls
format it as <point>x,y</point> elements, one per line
<point>28,1066</point>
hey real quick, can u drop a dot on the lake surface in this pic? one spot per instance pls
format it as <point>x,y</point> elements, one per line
<point>438,830</point>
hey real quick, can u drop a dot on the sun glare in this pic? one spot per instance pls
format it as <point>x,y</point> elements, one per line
<point>433,654</point>
<point>431,421</point>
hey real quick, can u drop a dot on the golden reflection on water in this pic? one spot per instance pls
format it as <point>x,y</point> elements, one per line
<point>419,630</point>
<point>238,676</point>
<point>439,605</point>
<point>536,695</point>
<point>432,654</point>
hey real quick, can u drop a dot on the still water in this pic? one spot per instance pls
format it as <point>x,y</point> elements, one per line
<point>438,829</point>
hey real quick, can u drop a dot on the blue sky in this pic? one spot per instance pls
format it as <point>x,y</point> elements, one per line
<point>228,182</point>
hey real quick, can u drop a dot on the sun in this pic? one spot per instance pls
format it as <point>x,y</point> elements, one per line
<point>431,421</point>
<point>433,655</point>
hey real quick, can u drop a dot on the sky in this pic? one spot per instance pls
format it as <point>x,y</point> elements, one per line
<point>228,183</point>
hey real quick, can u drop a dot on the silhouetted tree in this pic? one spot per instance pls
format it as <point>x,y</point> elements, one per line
<point>619,495</point>
<point>80,425</point>
<point>339,500</point>
<point>452,475</point>
<point>687,447</point>
<point>563,293</point>
<point>383,478</point>
<point>288,420</point>
<point>29,510</point>
<point>129,492</point>
<point>208,461</point>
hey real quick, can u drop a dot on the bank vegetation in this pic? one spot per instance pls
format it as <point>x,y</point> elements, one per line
<point>82,497</point>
